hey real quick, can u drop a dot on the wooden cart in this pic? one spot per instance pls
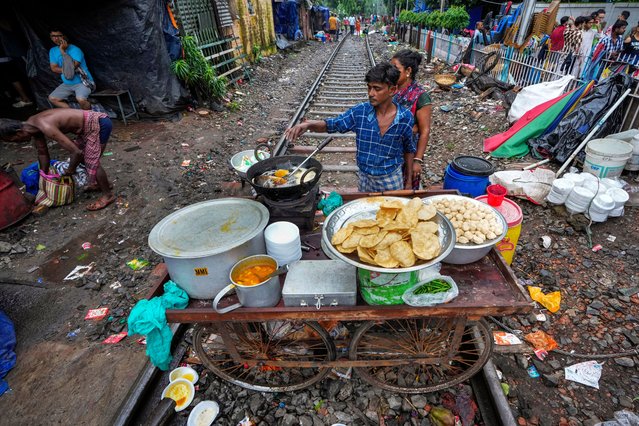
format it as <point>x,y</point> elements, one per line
<point>399,348</point>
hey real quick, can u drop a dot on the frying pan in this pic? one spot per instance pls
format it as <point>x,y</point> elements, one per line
<point>287,162</point>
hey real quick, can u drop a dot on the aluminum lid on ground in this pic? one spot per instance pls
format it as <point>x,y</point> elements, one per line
<point>208,228</point>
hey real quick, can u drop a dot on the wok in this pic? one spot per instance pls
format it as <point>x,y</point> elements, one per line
<point>288,162</point>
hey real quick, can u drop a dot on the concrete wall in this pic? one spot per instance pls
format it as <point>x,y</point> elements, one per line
<point>581,9</point>
<point>254,29</point>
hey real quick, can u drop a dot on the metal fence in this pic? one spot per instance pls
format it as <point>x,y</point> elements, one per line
<point>531,66</point>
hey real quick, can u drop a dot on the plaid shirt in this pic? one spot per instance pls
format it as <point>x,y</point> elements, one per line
<point>612,46</point>
<point>377,155</point>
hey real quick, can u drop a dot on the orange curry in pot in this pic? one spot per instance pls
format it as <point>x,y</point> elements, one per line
<point>254,275</point>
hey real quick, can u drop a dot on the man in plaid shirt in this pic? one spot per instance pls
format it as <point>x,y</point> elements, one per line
<point>613,44</point>
<point>383,129</point>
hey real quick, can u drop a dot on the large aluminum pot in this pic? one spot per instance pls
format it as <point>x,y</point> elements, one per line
<point>201,242</point>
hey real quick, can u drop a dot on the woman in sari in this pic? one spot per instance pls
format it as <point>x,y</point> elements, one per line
<point>413,97</point>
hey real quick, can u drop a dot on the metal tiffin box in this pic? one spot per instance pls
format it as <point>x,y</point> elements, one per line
<point>320,283</point>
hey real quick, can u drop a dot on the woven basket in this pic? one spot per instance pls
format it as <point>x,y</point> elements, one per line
<point>445,80</point>
<point>466,71</point>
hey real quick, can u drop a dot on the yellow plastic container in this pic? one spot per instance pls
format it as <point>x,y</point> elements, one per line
<point>514,216</point>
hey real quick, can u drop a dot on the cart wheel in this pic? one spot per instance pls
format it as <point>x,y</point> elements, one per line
<point>271,340</point>
<point>427,345</point>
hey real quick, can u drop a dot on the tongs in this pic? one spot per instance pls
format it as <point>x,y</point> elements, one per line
<point>319,148</point>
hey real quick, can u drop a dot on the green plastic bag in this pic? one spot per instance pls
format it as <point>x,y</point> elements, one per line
<point>385,289</point>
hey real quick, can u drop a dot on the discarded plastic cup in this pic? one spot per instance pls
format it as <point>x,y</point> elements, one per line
<point>496,195</point>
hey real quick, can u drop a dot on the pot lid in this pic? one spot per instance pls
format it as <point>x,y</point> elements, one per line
<point>208,228</point>
<point>508,209</point>
<point>473,166</point>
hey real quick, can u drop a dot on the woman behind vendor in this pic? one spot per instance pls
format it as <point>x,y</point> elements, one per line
<point>412,96</point>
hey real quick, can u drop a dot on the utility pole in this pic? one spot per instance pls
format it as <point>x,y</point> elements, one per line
<point>441,5</point>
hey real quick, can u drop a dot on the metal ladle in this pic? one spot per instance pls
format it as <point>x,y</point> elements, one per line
<point>319,148</point>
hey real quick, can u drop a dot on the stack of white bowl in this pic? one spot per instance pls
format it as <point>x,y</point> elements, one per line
<point>612,183</point>
<point>579,199</point>
<point>600,207</point>
<point>560,190</point>
<point>620,197</point>
<point>577,178</point>
<point>592,183</point>
<point>283,242</point>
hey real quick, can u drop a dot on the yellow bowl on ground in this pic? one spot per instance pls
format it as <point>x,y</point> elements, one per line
<point>184,373</point>
<point>181,391</point>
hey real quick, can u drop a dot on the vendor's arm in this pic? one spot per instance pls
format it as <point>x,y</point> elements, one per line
<point>76,153</point>
<point>44,158</point>
<point>423,119</point>
<point>318,126</point>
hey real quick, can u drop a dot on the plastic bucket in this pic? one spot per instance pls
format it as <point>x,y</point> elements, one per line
<point>606,157</point>
<point>473,185</point>
<point>514,216</point>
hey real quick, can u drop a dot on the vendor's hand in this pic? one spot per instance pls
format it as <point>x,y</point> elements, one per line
<point>417,170</point>
<point>295,132</point>
<point>63,45</point>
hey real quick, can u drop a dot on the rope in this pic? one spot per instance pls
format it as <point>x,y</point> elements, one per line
<point>572,354</point>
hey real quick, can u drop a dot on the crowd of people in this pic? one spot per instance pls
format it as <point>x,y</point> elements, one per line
<point>353,25</point>
<point>587,39</point>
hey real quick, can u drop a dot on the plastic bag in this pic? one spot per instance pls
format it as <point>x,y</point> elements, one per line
<point>550,301</point>
<point>541,340</point>
<point>531,96</point>
<point>587,373</point>
<point>622,418</point>
<point>7,349</point>
<point>532,185</point>
<point>413,297</point>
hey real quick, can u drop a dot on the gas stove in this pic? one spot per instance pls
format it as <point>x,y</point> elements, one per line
<point>300,211</point>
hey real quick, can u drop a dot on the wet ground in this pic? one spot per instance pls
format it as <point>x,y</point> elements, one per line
<point>62,364</point>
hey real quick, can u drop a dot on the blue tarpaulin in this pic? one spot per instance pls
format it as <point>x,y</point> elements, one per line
<point>286,19</point>
<point>7,349</point>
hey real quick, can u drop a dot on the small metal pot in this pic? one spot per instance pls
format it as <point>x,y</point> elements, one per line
<point>262,295</point>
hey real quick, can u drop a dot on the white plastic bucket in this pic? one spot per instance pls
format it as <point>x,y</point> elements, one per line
<point>607,157</point>
<point>633,164</point>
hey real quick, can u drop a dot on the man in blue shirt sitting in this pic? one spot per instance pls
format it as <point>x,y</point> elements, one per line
<point>72,81</point>
<point>383,129</point>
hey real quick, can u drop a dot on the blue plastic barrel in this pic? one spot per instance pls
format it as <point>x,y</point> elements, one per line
<point>466,184</point>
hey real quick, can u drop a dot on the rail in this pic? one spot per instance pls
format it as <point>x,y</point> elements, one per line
<point>281,146</point>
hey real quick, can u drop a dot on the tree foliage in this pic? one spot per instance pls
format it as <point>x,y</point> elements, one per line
<point>197,72</point>
<point>455,18</point>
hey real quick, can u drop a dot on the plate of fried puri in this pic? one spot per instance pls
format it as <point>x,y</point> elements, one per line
<point>388,234</point>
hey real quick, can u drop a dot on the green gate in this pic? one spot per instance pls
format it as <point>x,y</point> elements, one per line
<point>209,22</point>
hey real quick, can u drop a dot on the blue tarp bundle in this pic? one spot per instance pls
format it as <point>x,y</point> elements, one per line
<point>7,349</point>
<point>287,19</point>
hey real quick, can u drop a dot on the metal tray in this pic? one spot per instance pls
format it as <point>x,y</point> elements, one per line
<point>366,208</point>
<point>320,283</point>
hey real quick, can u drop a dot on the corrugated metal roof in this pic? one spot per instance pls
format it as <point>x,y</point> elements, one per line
<point>223,12</point>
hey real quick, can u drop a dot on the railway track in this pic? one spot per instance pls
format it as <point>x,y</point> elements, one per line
<point>339,86</point>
